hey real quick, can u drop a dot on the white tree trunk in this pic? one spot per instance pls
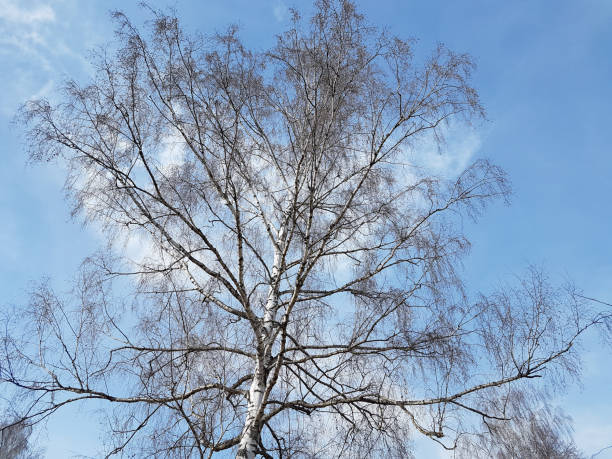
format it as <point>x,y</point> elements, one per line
<point>250,432</point>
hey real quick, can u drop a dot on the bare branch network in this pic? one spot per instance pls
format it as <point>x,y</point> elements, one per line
<point>296,295</point>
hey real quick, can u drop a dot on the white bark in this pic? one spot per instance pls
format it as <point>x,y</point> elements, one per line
<point>250,433</point>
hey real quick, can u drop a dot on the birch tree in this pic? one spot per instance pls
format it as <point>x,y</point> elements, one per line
<point>15,440</point>
<point>533,431</point>
<point>296,293</point>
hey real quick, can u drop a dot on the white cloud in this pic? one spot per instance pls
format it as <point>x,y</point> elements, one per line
<point>39,44</point>
<point>280,11</point>
<point>461,143</point>
<point>138,248</point>
<point>172,153</point>
<point>13,11</point>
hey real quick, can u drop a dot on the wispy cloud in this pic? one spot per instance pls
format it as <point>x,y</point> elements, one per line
<point>172,153</point>
<point>280,11</point>
<point>20,12</point>
<point>38,44</point>
<point>459,146</point>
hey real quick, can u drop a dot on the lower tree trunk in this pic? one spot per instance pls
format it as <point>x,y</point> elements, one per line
<point>250,439</point>
<point>250,433</point>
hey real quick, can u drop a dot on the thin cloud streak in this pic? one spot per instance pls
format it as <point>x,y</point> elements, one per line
<point>11,11</point>
<point>280,11</point>
<point>36,50</point>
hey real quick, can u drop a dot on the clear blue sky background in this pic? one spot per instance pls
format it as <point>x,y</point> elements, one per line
<point>545,78</point>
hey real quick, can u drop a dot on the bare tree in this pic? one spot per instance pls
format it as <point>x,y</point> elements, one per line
<point>15,440</point>
<point>532,431</point>
<point>296,294</point>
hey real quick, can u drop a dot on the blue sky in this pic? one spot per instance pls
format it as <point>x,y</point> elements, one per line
<point>544,76</point>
